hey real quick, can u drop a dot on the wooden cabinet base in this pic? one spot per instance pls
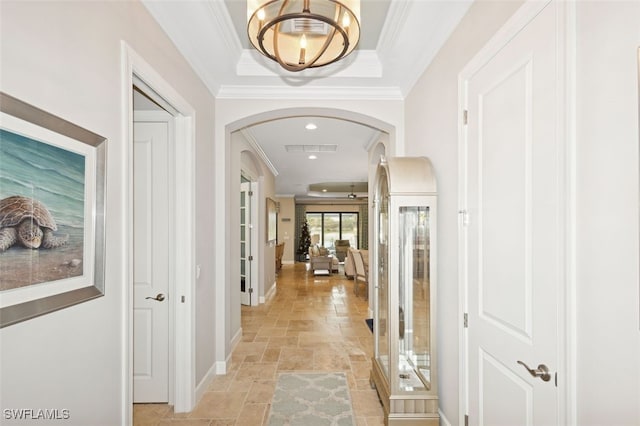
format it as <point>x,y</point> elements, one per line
<point>409,410</point>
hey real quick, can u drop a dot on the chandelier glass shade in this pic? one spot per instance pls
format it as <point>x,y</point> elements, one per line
<point>301,34</point>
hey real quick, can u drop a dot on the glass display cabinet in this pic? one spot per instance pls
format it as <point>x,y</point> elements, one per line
<point>403,275</point>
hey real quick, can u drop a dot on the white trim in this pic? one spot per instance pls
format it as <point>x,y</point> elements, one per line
<point>220,14</point>
<point>568,300</point>
<point>463,342</point>
<point>360,64</point>
<point>184,156</point>
<point>566,340</point>
<point>396,17</point>
<point>204,384</point>
<point>221,366</point>
<point>310,93</point>
<point>253,143</point>
<point>257,232</point>
<point>272,289</point>
<point>443,419</point>
<point>237,338</point>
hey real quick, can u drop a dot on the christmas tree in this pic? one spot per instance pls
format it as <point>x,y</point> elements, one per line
<point>305,239</point>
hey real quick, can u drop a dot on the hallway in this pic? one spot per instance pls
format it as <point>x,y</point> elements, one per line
<point>309,324</point>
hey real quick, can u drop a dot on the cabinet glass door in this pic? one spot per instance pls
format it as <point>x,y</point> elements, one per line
<point>382,300</point>
<point>413,295</point>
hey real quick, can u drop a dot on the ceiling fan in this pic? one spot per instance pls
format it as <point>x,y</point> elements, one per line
<point>352,195</point>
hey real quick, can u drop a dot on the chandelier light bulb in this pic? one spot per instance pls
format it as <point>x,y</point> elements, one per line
<point>261,14</point>
<point>346,21</point>
<point>303,50</point>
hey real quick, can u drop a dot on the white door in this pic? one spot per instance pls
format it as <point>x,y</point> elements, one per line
<point>514,231</point>
<point>246,257</point>
<point>151,262</point>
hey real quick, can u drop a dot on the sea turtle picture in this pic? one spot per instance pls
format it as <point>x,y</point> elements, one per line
<point>28,222</point>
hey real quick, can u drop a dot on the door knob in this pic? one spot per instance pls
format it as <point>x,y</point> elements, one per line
<point>159,297</point>
<point>542,371</point>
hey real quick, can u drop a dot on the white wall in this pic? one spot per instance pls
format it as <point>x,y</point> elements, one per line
<point>607,299</point>
<point>65,57</point>
<point>608,357</point>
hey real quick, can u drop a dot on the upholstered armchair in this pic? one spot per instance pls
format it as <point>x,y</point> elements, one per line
<point>341,249</point>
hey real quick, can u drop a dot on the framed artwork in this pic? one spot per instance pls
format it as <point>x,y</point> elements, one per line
<point>52,193</point>
<point>272,221</point>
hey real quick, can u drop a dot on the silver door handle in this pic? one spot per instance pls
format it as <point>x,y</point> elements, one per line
<point>159,297</point>
<point>542,371</point>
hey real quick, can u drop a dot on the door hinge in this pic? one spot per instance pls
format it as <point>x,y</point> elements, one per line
<point>466,420</point>
<point>250,258</point>
<point>250,193</point>
<point>466,320</point>
<point>465,117</point>
<point>251,290</point>
<point>465,217</point>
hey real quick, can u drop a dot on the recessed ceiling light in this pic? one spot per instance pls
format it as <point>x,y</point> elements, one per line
<point>312,157</point>
<point>310,126</point>
<point>324,190</point>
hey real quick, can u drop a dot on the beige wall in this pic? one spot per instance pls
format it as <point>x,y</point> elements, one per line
<point>65,57</point>
<point>606,160</point>
<point>607,299</point>
<point>286,230</point>
<point>431,111</point>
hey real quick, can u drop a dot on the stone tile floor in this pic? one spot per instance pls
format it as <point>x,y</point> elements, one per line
<point>309,324</point>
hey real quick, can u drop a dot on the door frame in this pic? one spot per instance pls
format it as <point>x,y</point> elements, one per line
<point>183,188</point>
<point>567,335</point>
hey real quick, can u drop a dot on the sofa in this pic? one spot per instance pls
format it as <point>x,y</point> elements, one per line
<point>320,259</point>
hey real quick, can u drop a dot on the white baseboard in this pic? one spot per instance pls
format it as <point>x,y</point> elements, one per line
<point>205,382</point>
<point>443,419</point>
<point>269,293</point>
<point>235,340</point>
<point>288,262</point>
<point>221,366</point>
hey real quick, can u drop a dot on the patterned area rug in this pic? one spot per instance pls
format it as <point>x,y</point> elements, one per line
<point>311,399</point>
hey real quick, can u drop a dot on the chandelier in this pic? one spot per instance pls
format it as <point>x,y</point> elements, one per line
<point>301,34</point>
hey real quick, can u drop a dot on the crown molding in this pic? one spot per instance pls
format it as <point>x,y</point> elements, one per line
<point>225,27</point>
<point>251,140</point>
<point>360,64</point>
<point>372,141</point>
<point>396,17</point>
<point>309,93</point>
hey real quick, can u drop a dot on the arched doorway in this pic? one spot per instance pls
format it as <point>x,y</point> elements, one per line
<point>230,328</point>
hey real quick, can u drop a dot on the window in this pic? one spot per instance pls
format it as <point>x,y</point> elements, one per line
<point>330,227</point>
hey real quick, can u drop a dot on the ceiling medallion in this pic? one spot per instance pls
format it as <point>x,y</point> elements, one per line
<point>301,34</point>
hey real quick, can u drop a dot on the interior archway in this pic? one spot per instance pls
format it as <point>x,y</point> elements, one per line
<point>225,305</point>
